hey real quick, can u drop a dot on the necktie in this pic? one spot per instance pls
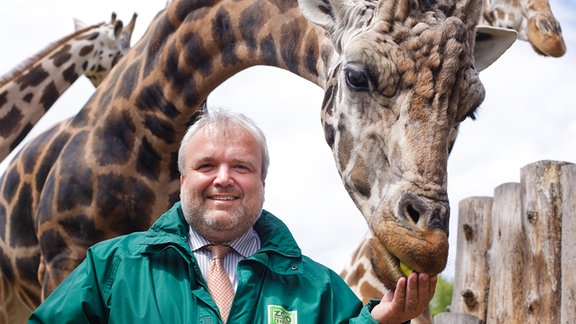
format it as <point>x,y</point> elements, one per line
<point>218,281</point>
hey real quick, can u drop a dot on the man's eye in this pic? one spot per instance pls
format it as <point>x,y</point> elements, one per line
<point>204,166</point>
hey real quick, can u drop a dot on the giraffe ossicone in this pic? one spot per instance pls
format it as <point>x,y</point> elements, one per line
<point>399,77</point>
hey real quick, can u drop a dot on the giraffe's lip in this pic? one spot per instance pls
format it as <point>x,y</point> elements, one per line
<point>388,268</point>
<point>398,265</point>
<point>403,267</point>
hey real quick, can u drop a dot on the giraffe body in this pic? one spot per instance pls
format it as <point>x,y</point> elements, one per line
<point>532,19</point>
<point>111,169</point>
<point>27,92</point>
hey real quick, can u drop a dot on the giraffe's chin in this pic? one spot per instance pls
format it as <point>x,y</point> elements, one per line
<point>389,266</point>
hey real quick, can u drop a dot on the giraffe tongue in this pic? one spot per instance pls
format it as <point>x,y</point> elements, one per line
<point>405,269</point>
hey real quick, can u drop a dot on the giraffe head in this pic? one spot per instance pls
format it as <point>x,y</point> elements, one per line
<point>545,35</point>
<point>532,19</point>
<point>114,42</point>
<point>403,79</point>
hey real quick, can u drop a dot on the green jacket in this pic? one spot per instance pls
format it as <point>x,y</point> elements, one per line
<point>153,277</point>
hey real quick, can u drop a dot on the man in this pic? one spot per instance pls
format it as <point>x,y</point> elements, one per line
<point>163,275</point>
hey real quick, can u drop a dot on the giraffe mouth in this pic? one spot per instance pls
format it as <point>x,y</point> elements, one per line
<point>401,269</point>
<point>387,266</point>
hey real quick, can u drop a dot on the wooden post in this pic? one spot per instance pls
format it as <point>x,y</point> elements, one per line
<point>452,318</point>
<point>568,304</point>
<point>529,242</point>
<point>505,256</point>
<point>474,237</point>
<point>541,224</point>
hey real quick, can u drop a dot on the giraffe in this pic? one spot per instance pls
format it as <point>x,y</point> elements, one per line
<point>394,72</point>
<point>534,22</point>
<point>28,91</point>
<point>533,19</point>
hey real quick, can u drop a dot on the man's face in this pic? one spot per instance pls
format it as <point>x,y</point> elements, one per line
<point>221,188</point>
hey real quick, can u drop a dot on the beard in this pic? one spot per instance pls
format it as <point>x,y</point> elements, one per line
<point>219,225</point>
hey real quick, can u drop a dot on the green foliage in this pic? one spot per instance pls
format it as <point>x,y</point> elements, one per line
<point>443,296</point>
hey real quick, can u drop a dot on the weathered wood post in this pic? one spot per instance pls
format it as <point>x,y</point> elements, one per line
<point>505,256</point>
<point>516,252</point>
<point>568,304</point>
<point>474,237</point>
<point>541,225</point>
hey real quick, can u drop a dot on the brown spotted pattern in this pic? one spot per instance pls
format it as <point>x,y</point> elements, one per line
<point>399,77</point>
<point>29,91</point>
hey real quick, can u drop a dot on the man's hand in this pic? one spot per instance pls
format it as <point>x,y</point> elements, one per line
<point>411,297</point>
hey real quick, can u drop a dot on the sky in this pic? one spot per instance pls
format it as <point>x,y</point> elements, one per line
<point>529,115</point>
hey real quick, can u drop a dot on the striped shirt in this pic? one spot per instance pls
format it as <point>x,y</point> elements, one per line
<point>242,247</point>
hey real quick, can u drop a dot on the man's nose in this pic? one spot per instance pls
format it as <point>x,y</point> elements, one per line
<point>223,176</point>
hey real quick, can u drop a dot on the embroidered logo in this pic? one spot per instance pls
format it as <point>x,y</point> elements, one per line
<point>278,315</point>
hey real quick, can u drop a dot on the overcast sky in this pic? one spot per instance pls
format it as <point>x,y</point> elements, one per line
<point>529,115</point>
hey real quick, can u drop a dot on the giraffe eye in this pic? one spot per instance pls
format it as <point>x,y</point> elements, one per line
<point>356,80</point>
<point>470,114</point>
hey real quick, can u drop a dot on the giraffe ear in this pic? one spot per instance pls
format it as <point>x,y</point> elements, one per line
<point>78,24</point>
<point>324,13</point>
<point>330,15</point>
<point>491,43</point>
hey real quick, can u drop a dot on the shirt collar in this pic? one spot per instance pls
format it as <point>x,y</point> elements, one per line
<point>244,244</point>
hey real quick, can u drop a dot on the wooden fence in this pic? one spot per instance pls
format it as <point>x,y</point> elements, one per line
<point>516,252</point>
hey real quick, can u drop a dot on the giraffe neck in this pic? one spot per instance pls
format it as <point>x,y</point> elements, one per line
<point>188,51</point>
<point>360,276</point>
<point>27,92</point>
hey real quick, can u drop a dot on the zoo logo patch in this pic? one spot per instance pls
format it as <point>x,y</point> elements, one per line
<point>278,315</point>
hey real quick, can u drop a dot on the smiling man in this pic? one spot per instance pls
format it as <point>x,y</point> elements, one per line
<point>219,230</point>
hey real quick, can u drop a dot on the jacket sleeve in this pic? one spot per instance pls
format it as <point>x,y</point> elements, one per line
<point>76,300</point>
<point>346,305</point>
<point>364,316</point>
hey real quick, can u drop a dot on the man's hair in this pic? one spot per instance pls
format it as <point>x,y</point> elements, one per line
<point>223,120</point>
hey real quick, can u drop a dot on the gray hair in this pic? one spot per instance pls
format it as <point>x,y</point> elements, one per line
<point>221,119</point>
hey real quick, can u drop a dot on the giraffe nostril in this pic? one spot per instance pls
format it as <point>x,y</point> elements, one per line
<point>436,221</point>
<point>412,207</point>
<point>413,213</point>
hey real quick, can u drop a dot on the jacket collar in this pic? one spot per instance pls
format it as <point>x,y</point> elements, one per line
<point>279,251</point>
<point>275,236</point>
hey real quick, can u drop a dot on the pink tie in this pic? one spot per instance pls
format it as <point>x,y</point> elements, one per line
<point>218,281</point>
